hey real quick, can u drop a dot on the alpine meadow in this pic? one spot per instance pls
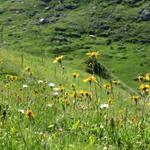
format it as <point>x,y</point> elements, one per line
<point>74,74</point>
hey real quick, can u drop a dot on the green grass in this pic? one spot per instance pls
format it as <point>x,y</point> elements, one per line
<point>81,124</point>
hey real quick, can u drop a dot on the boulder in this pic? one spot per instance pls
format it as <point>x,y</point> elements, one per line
<point>145,15</point>
<point>43,21</point>
<point>71,7</point>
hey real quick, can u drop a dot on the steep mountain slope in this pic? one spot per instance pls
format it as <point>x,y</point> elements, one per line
<point>119,29</point>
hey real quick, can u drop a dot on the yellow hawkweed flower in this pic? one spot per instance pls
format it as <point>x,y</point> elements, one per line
<point>92,54</point>
<point>147,77</point>
<point>82,93</point>
<point>90,79</point>
<point>140,78</point>
<point>116,82</point>
<point>28,69</point>
<point>88,94</point>
<point>11,77</point>
<point>75,74</point>
<point>58,59</point>
<point>73,87</point>
<point>29,114</point>
<point>110,101</point>
<point>61,88</point>
<point>145,88</point>
<point>107,86</point>
<point>74,94</point>
<point>135,98</point>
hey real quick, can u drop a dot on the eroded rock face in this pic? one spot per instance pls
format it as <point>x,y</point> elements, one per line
<point>145,15</point>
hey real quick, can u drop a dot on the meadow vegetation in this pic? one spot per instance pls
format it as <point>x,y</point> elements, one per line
<point>74,75</point>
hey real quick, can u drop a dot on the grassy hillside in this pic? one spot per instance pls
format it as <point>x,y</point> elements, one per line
<point>52,95</point>
<point>114,29</point>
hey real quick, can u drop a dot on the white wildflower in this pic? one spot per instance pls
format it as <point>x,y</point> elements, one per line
<point>56,89</point>
<point>22,111</point>
<point>55,94</point>
<point>52,85</point>
<point>102,106</point>
<point>25,86</point>
<point>40,81</point>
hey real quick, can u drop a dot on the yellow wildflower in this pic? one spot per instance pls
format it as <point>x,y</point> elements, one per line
<point>135,98</point>
<point>92,54</point>
<point>110,101</point>
<point>147,77</point>
<point>74,94</point>
<point>58,59</point>
<point>75,74</point>
<point>88,94</point>
<point>61,88</point>
<point>29,114</point>
<point>28,70</point>
<point>11,77</point>
<point>116,82</point>
<point>140,78</point>
<point>90,79</point>
<point>145,88</point>
<point>82,93</point>
<point>107,86</point>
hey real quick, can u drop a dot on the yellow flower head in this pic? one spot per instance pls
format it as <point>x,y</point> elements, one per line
<point>11,77</point>
<point>135,98</point>
<point>82,93</point>
<point>107,86</point>
<point>140,78</point>
<point>61,88</point>
<point>110,101</point>
<point>92,54</point>
<point>116,82</point>
<point>90,79</point>
<point>73,87</point>
<point>58,59</point>
<point>28,69</point>
<point>29,114</point>
<point>88,94</point>
<point>147,77</point>
<point>75,74</point>
<point>74,94</point>
<point>145,88</point>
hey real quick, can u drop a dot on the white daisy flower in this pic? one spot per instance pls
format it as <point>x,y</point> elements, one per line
<point>52,85</point>
<point>55,94</point>
<point>56,89</point>
<point>25,86</point>
<point>102,106</point>
<point>22,111</point>
<point>40,81</point>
